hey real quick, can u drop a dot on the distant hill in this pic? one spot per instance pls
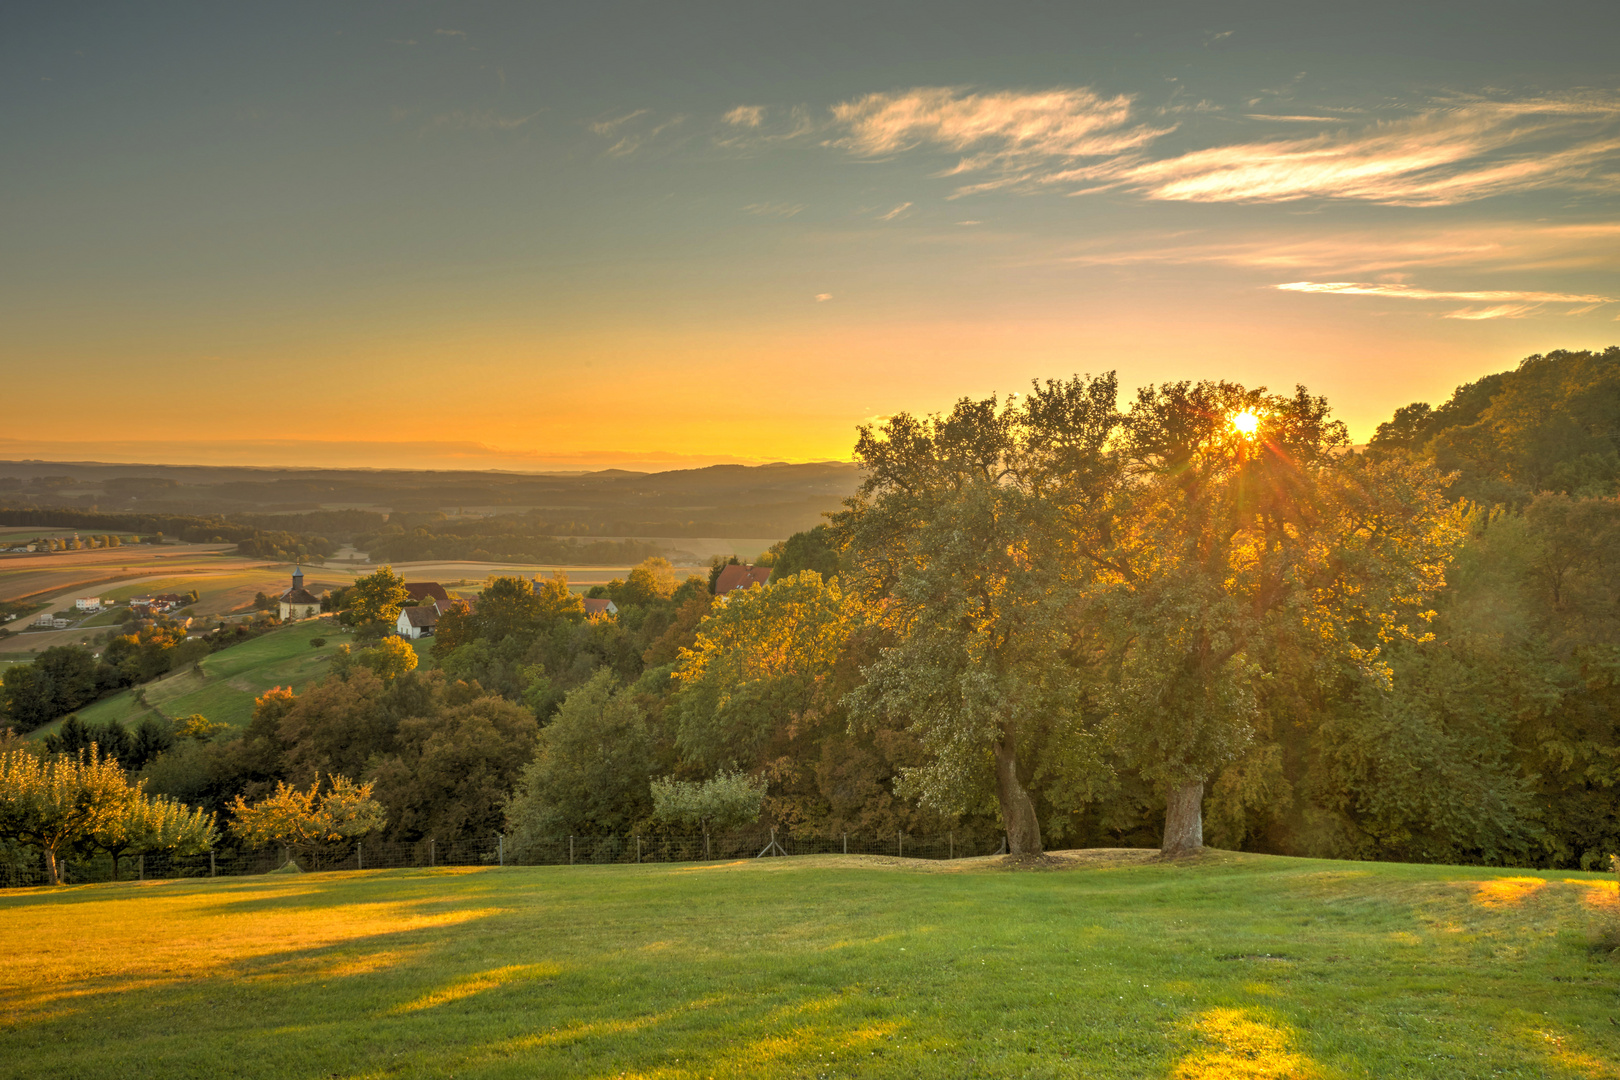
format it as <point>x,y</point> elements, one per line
<point>1550,425</point>
<point>766,501</point>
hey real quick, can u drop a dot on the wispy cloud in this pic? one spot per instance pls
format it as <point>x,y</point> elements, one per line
<point>786,210</point>
<point>1015,137</point>
<point>1412,292</point>
<point>1466,150</point>
<point>748,116</point>
<point>477,120</point>
<point>1503,303</point>
<point>1079,141</point>
<point>823,297</point>
<point>898,211</point>
<point>1486,245</point>
<point>633,130</point>
<point>451,33</point>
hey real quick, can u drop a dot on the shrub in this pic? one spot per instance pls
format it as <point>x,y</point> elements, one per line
<point>316,642</point>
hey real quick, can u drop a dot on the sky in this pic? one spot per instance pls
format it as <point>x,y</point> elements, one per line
<point>541,236</point>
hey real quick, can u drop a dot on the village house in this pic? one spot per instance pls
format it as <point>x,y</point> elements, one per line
<point>740,576</point>
<point>161,604</point>
<point>417,622</point>
<point>600,605</point>
<point>429,594</point>
<point>88,603</point>
<point>297,602</point>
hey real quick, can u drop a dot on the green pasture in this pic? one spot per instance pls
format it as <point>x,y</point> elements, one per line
<point>230,679</point>
<point>1225,966</point>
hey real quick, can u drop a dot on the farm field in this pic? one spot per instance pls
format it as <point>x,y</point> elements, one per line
<point>1116,966</point>
<point>231,679</point>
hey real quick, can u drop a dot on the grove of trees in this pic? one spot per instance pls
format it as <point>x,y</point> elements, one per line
<point>1197,617</point>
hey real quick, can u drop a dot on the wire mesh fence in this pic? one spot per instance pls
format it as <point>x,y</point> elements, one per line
<point>27,868</point>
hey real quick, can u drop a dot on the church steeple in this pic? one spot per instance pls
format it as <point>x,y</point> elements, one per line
<point>298,576</point>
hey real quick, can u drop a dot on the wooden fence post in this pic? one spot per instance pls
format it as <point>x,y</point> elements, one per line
<point>950,851</point>
<point>500,848</point>
<point>430,853</point>
<point>213,871</point>
<point>140,862</point>
<point>846,843</point>
<point>899,845</point>
<point>359,856</point>
<point>638,848</point>
<point>570,851</point>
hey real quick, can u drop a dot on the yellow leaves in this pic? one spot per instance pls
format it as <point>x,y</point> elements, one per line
<point>290,816</point>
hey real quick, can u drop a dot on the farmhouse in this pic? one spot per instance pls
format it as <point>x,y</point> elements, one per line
<point>147,606</point>
<point>296,602</point>
<point>600,605</point>
<point>88,603</point>
<point>417,622</point>
<point>740,576</point>
<point>429,594</point>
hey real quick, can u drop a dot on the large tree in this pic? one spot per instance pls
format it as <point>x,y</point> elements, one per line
<point>953,542</point>
<point>1240,531</point>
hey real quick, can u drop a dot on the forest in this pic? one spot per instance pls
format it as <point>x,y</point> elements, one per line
<point>1201,617</point>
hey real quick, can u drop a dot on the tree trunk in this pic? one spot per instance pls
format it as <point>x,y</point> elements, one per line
<point>50,866</point>
<point>1184,820</point>
<point>1017,808</point>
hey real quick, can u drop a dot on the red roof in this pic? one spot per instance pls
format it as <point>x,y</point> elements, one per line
<point>740,576</point>
<point>423,591</point>
<point>598,605</point>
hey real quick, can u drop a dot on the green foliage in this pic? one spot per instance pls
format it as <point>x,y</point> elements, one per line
<point>726,801</point>
<point>59,802</point>
<point>374,602</point>
<point>590,772</point>
<point>389,658</point>
<point>815,549</point>
<point>453,771</point>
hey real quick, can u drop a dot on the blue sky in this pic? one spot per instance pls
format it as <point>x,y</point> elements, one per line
<point>541,235</point>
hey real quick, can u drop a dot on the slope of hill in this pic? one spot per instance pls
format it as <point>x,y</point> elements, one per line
<point>1226,966</point>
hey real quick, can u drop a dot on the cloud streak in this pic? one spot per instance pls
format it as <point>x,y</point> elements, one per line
<point>1504,303</point>
<point>1079,141</point>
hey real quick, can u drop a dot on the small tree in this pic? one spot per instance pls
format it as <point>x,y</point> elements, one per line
<point>58,803</point>
<point>305,820</point>
<point>389,658</point>
<point>145,823</point>
<point>727,801</point>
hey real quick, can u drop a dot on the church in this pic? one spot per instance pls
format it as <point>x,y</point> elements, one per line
<point>296,603</point>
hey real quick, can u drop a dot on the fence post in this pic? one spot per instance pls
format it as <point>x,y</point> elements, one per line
<point>570,851</point>
<point>500,848</point>
<point>140,863</point>
<point>212,870</point>
<point>706,844</point>
<point>950,851</point>
<point>846,843</point>
<point>359,856</point>
<point>899,845</point>
<point>638,848</point>
<point>430,853</point>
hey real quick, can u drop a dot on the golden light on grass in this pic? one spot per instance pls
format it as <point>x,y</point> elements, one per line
<point>1246,423</point>
<point>1242,1044</point>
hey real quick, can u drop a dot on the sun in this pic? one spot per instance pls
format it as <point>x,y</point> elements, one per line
<point>1245,423</point>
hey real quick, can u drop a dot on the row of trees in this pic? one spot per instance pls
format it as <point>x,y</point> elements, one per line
<point>85,802</point>
<point>1199,617</point>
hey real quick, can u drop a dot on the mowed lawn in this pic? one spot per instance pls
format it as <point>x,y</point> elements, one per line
<point>231,678</point>
<point>1226,966</point>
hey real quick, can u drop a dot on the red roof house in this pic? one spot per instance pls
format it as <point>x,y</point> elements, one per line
<point>740,576</point>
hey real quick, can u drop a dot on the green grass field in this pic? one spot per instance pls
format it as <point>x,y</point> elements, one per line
<point>1116,966</point>
<point>231,679</point>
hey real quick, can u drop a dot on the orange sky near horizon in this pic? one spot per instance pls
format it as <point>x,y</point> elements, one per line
<point>583,239</point>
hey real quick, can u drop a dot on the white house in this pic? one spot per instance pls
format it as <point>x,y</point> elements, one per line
<point>417,622</point>
<point>600,605</point>
<point>88,603</point>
